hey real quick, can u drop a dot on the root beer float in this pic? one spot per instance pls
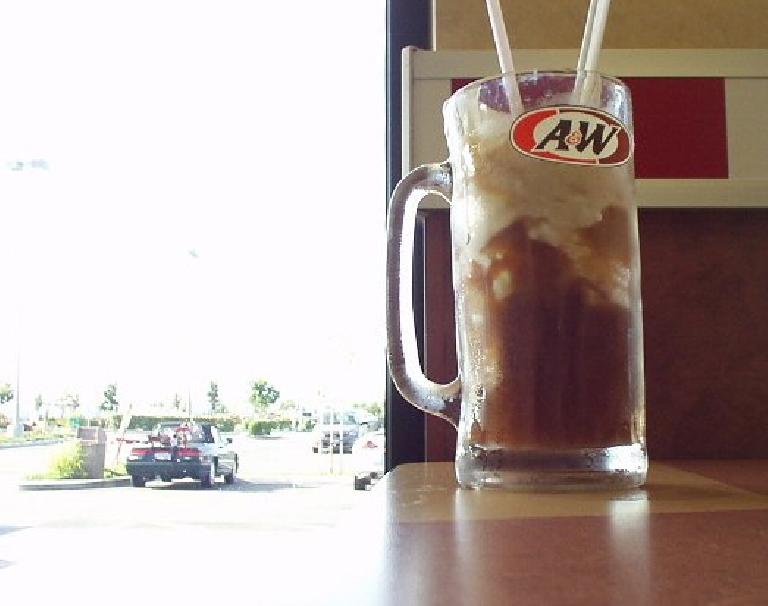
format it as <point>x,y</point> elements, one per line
<point>546,276</point>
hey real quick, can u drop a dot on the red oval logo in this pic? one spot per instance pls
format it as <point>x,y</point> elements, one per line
<point>572,135</point>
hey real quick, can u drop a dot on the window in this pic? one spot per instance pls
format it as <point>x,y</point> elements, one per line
<point>191,195</point>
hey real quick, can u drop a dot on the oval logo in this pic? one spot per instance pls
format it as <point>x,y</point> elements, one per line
<point>572,135</point>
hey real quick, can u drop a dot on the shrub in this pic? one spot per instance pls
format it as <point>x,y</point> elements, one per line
<point>148,422</point>
<point>263,427</point>
<point>76,421</point>
<point>223,422</point>
<point>260,427</point>
<point>69,463</point>
<point>116,471</point>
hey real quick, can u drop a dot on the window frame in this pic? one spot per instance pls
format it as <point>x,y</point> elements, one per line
<point>409,23</point>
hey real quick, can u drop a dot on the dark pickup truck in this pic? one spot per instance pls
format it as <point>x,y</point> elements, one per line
<point>183,449</point>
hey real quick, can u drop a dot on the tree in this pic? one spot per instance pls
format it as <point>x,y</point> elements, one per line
<point>110,403</point>
<point>263,395</point>
<point>213,397</point>
<point>375,409</point>
<point>6,393</point>
<point>71,401</point>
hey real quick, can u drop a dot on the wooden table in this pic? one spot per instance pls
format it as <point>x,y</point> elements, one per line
<point>696,534</point>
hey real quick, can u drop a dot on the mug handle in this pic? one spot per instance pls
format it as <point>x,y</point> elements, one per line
<point>402,353</point>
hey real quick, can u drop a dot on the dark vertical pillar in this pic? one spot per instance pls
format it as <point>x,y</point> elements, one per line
<point>408,24</point>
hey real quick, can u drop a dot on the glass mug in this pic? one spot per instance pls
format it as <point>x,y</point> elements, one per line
<point>546,277</point>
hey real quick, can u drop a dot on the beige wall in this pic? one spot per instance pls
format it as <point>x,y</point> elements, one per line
<point>463,24</point>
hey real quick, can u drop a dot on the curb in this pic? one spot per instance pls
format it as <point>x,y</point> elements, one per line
<point>74,484</point>
<point>32,443</point>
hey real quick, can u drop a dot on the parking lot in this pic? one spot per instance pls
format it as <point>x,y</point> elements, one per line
<point>278,523</point>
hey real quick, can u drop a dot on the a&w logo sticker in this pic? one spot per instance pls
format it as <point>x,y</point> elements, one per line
<point>572,135</point>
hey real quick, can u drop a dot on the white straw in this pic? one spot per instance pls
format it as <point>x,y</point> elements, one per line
<point>587,36</point>
<point>590,48</point>
<point>595,40</point>
<point>504,53</point>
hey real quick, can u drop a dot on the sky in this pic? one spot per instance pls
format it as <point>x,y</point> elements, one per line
<point>192,191</point>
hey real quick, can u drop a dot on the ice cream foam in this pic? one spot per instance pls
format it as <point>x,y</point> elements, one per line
<point>582,210</point>
<point>508,185</point>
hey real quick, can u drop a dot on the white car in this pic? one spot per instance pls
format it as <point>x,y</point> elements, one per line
<point>368,458</point>
<point>335,429</point>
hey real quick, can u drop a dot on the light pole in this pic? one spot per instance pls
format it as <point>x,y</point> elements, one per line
<point>16,429</point>
<point>194,256</point>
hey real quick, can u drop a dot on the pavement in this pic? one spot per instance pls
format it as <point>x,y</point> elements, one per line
<point>292,481</point>
<point>284,460</point>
